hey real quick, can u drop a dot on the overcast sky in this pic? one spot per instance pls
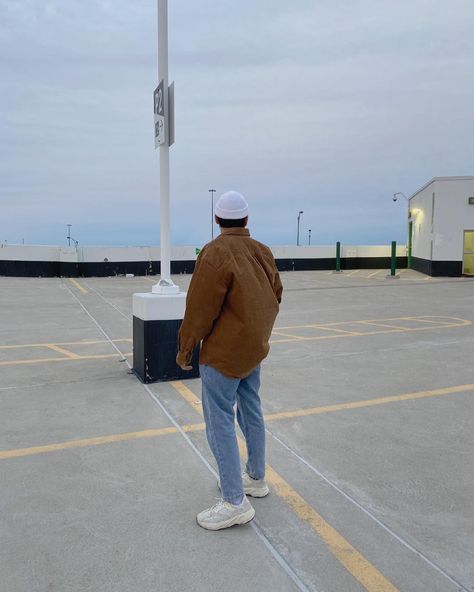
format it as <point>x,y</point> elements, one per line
<point>328,107</point>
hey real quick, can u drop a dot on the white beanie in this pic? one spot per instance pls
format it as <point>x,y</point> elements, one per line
<point>231,206</point>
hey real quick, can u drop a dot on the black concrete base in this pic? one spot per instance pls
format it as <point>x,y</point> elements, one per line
<point>437,268</point>
<point>155,345</point>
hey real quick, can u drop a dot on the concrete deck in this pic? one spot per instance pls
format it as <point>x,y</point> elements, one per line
<point>369,398</point>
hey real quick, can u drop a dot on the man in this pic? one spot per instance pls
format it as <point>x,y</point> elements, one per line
<point>232,304</point>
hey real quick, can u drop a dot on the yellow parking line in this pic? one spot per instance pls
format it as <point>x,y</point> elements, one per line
<point>336,327</point>
<point>293,337</point>
<point>360,568</point>
<point>355,563</point>
<point>368,333</point>
<point>322,327</point>
<point>69,359</point>
<point>426,320</point>
<point>78,285</point>
<point>86,342</point>
<point>351,273</point>
<point>152,433</point>
<point>370,402</point>
<point>63,351</point>
<point>371,323</point>
<point>375,273</point>
<point>351,322</point>
<point>193,400</point>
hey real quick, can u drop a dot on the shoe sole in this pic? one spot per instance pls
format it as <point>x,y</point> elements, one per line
<point>253,491</point>
<point>261,492</point>
<point>239,519</point>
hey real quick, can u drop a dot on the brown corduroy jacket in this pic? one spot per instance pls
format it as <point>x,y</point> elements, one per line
<point>232,303</point>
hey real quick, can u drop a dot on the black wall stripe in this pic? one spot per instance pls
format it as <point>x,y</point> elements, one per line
<point>113,268</point>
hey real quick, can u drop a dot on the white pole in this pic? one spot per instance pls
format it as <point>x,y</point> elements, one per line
<point>165,284</point>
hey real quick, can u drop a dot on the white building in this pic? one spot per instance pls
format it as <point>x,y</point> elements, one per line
<point>441,227</point>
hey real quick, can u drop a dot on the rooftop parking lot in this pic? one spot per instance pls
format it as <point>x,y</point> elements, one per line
<point>368,394</point>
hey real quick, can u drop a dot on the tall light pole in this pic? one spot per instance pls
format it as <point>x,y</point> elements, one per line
<point>157,316</point>
<point>309,237</point>
<point>165,285</point>
<point>298,229</point>
<point>212,191</point>
<point>410,228</point>
<point>69,234</point>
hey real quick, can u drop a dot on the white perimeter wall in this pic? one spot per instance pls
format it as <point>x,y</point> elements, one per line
<point>114,254</point>
<point>422,211</point>
<point>453,215</point>
<point>444,225</point>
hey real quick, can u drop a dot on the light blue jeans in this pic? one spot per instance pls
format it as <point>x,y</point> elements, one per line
<point>219,396</point>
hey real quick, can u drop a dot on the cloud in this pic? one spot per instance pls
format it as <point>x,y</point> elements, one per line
<point>328,107</point>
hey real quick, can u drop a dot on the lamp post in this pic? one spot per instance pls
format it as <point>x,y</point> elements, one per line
<point>69,234</point>
<point>157,317</point>
<point>212,191</point>
<point>410,227</point>
<point>166,284</point>
<point>298,229</point>
<point>309,237</point>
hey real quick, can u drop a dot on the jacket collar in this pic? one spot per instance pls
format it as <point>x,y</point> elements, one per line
<point>236,231</point>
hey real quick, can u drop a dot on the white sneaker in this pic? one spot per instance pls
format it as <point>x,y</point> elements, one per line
<point>223,514</point>
<point>252,487</point>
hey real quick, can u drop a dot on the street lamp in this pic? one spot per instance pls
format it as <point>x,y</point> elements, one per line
<point>69,234</point>
<point>298,230</point>
<point>410,227</point>
<point>309,237</point>
<point>395,198</point>
<point>212,191</point>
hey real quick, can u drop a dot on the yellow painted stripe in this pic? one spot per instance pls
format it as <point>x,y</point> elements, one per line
<point>369,333</point>
<point>448,320</point>
<point>322,337</point>
<point>187,395</point>
<point>355,563</point>
<point>153,433</point>
<point>43,360</point>
<point>194,401</point>
<point>78,285</point>
<point>385,326</point>
<point>86,342</point>
<point>370,402</point>
<point>347,555</point>
<point>293,337</point>
<point>420,320</point>
<point>63,351</point>
<point>374,273</point>
<point>323,328</point>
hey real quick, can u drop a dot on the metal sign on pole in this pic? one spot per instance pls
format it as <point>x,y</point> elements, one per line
<point>159,114</point>
<point>171,114</point>
<point>163,120</point>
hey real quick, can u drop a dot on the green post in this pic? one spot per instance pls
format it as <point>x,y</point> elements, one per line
<point>410,243</point>
<point>393,267</point>
<point>338,256</point>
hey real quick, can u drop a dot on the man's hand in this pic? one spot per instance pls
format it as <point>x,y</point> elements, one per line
<point>183,366</point>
